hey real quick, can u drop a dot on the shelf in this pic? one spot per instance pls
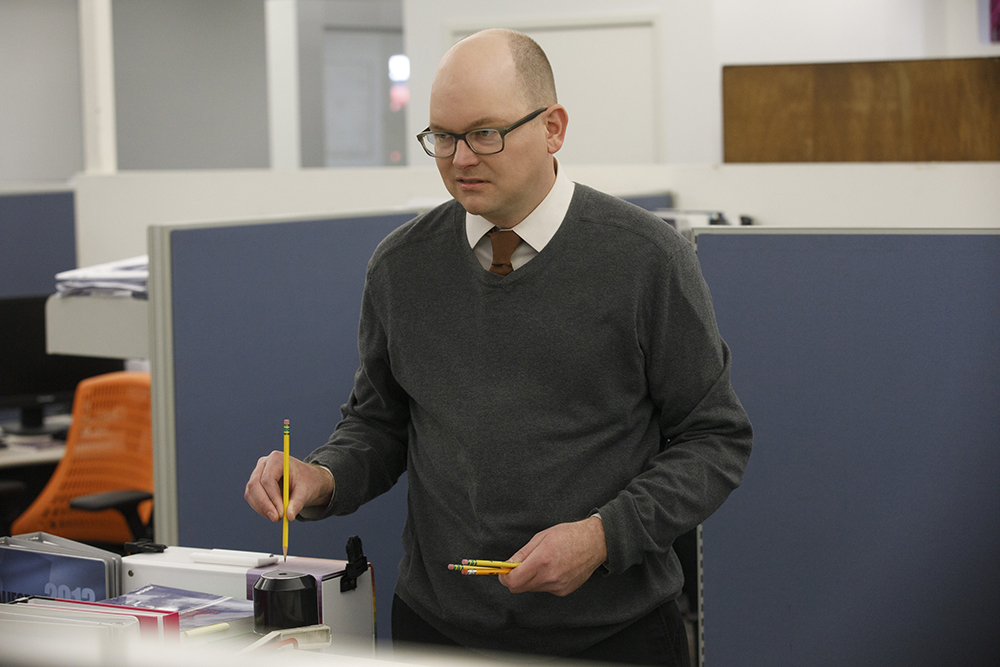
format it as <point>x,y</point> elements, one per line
<point>97,326</point>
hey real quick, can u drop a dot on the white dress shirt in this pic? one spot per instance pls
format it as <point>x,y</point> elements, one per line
<point>535,231</point>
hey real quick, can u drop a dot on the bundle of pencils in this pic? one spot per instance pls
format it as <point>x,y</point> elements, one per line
<point>478,566</point>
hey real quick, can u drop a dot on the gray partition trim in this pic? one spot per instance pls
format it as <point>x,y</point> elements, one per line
<point>700,639</point>
<point>161,351</point>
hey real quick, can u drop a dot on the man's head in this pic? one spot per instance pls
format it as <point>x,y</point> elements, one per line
<point>491,80</point>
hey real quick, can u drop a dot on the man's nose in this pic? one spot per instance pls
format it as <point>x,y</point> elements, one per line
<point>464,155</point>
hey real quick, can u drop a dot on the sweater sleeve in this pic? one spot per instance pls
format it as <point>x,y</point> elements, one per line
<point>367,451</point>
<point>705,435</point>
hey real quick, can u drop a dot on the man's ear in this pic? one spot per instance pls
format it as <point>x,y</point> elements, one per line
<point>556,120</point>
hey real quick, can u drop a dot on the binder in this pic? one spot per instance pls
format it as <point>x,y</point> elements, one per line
<point>43,565</point>
<point>54,543</point>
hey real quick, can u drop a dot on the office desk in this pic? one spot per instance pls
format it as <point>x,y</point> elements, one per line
<point>23,455</point>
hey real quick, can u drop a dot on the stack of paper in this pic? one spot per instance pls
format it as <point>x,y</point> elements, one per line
<point>196,610</point>
<point>125,277</point>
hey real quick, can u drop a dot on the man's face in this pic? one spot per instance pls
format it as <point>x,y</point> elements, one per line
<point>475,90</point>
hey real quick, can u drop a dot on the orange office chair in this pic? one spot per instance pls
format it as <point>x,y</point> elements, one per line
<point>109,452</point>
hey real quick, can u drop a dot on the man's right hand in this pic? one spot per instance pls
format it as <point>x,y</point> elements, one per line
<point>308,485</point>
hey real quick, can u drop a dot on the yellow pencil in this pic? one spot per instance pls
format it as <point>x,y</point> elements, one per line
<point>485,570</point>
<point>465,569</point>
<point>284,497</point>
<point>488,563</point>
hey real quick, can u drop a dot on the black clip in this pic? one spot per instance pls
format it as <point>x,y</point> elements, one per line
<point>144,546</point>
<point>357,564</point>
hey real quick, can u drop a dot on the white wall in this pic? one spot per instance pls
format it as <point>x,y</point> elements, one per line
<point>40,124</point>
<point>113,211</point>
<point>190,84</point>
<point>802,31</point>
<point>697,38</point>
<point>682,41</point>
<point>41,130</point>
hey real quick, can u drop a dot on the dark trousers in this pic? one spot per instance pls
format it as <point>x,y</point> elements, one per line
<point>658,638</point>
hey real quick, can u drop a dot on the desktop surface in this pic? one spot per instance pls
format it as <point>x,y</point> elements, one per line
<point>14,455</point>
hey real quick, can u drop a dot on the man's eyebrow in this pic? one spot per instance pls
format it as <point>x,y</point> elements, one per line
<point>487,121</point>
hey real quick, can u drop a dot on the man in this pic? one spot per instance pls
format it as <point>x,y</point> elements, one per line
<point>566,406</point>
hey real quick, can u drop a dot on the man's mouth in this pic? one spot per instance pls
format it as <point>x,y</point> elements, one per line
<point>470,184</point>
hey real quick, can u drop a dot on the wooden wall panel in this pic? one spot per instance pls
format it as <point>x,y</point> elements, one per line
<point>904,111</point>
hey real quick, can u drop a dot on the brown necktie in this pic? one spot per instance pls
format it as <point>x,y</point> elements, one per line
<point>504,241</point>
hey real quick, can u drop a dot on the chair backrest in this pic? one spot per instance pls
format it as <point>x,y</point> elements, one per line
<point>109,448</point>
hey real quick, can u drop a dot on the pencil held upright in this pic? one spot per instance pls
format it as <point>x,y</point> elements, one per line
<point>284,499</point>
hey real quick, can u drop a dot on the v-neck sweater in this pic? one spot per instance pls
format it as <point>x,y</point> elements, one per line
<point>593,378</point>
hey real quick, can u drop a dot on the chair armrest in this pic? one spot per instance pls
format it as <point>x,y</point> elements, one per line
<point>110,500</point>
<point>125,501</point>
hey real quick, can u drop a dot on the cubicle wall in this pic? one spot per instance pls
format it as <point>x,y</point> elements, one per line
<point>257,323</point>
<point>37,240</point>
<point>866,528</point>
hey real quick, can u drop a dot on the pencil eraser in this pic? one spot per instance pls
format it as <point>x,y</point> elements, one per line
<point>286,422</point>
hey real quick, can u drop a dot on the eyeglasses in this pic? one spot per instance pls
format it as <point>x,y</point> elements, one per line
<point>482,141</point>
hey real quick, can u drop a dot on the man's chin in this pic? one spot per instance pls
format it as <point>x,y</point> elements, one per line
<point>472,204</point>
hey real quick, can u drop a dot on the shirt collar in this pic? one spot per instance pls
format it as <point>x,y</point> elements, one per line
<point>541,224</point>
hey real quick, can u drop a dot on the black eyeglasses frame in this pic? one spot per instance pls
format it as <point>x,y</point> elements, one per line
<point>463,136</point>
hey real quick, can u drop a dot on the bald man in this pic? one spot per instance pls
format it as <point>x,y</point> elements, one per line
<point>544,361</point>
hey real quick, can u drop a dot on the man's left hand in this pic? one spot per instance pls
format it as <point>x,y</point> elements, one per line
<point>559,559</point>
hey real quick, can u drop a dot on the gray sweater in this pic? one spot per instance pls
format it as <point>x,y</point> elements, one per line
<point>593,378</point>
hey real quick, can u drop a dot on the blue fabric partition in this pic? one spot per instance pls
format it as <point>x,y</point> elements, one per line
<point>265,321</point>
<point>652,202</point>
<point>37,241</point>
<point>867,528</point>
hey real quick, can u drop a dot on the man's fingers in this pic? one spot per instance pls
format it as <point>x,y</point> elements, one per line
<point>524,571</point>
<point>254,494</point>
<point>271,481</point>
<point>263,490</point>
<point>307,485</point>
<point>560,559</point>
<point>294,505</point>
